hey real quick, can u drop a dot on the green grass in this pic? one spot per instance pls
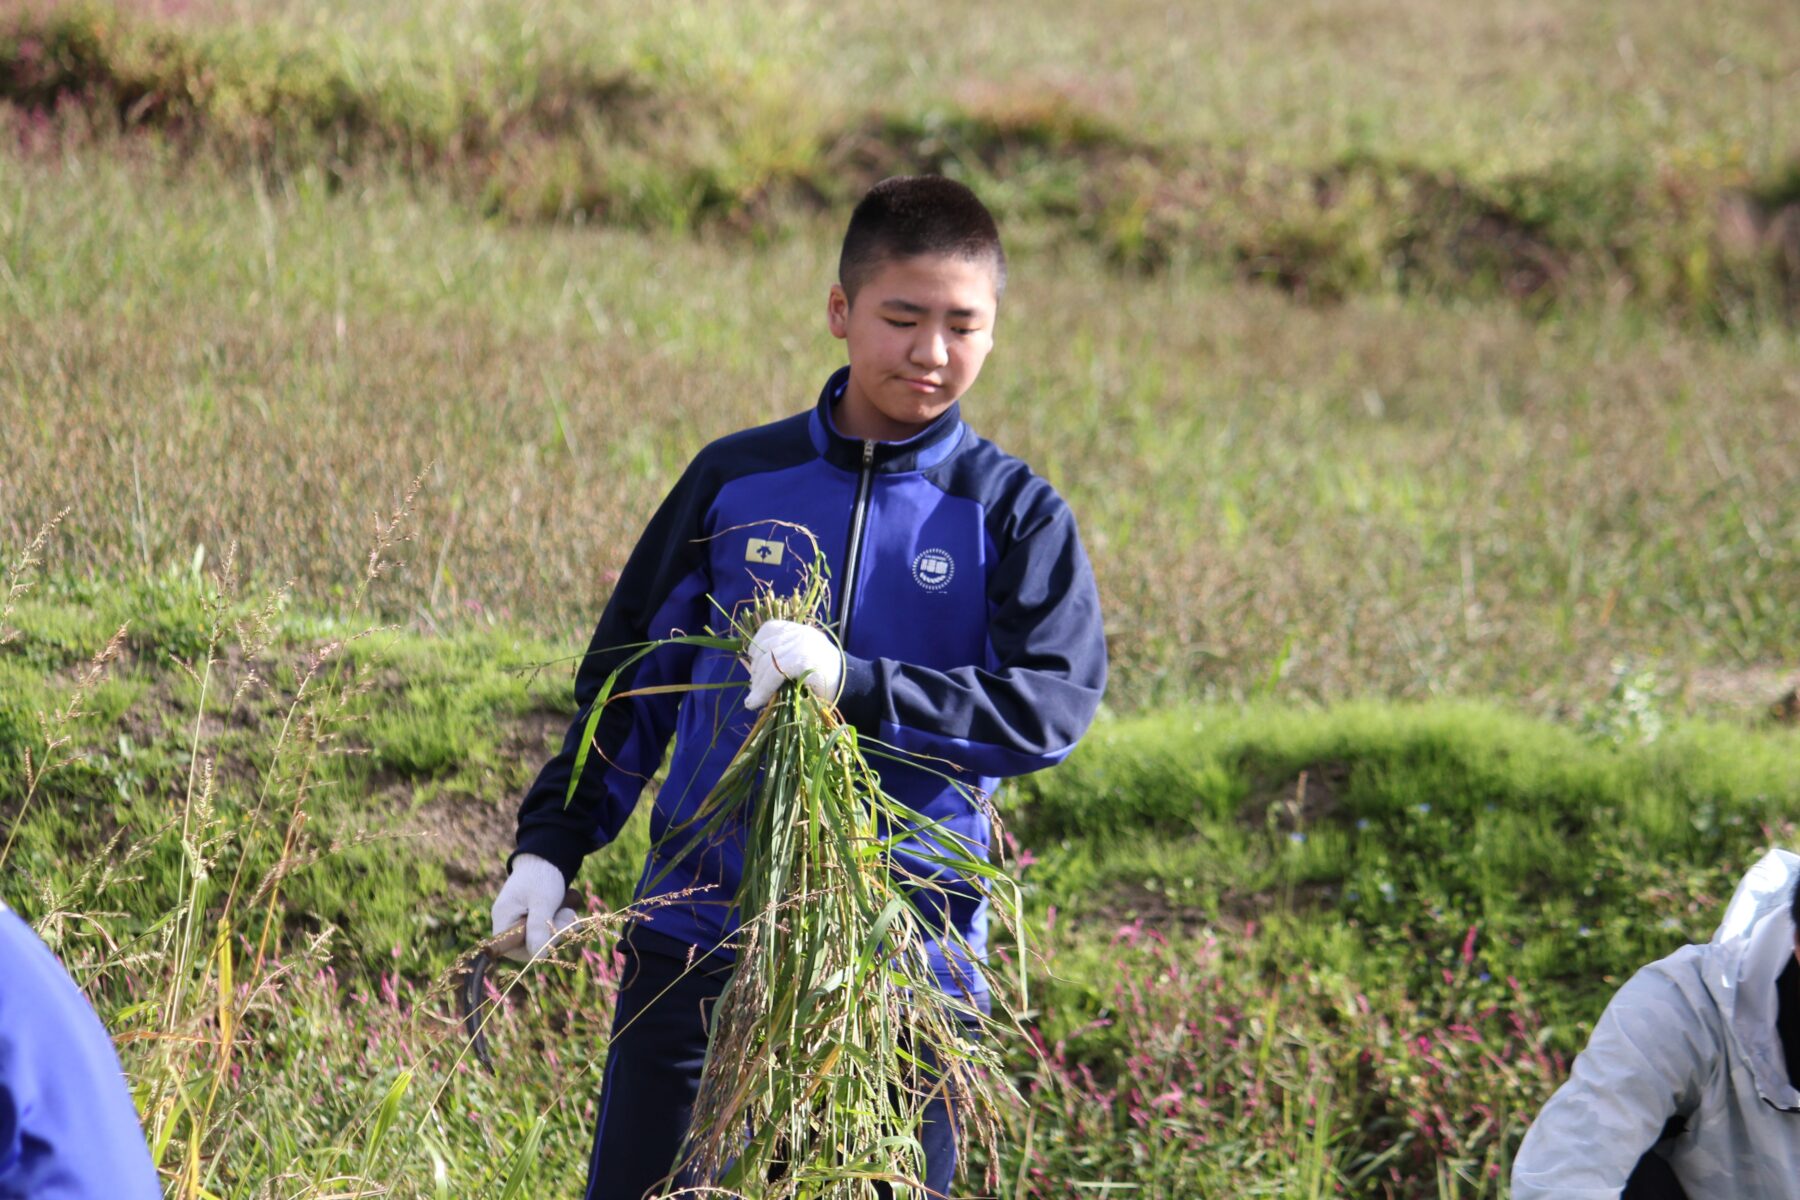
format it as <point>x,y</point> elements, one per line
<point>1456,866</point>
<point>1576,856</point>
<point>1448,579</point>
<point>416,794</point>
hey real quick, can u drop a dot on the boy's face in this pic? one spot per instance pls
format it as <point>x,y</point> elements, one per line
<point>917,335</point>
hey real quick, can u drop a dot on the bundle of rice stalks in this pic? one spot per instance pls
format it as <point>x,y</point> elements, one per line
<point>833,1034</point>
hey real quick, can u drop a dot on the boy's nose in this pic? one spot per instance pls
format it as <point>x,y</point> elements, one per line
<point>929,350</point>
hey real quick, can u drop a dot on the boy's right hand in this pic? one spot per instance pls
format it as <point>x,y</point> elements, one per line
<point>533,893</point>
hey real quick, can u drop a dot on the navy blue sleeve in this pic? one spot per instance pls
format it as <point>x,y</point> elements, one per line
<point>68,1130</point>
<point>661,592</point>
<point>1028,706</point>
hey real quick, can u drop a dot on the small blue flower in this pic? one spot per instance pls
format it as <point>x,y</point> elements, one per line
<point>1297,836</point>
<point>1362,823</point>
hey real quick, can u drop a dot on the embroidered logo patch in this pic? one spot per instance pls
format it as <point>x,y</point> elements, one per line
<point>933,569</point>
<point>764,552</point>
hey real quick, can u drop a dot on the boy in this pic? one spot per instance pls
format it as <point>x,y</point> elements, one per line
<point>1690,1084</point>
<point>966,612</point>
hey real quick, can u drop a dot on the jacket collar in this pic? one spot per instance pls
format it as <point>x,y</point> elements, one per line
<point>1753,944</point>
<point>925,449</point>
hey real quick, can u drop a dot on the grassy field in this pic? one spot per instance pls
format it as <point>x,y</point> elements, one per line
<point>1512,89</point>
<point>1639,152</point>
<point>1438,460</point>
<point>1392,921</point>
<point>1380,497</point>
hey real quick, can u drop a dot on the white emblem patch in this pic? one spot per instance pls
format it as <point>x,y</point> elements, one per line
<point>933,569</point>
<point>764,552</point>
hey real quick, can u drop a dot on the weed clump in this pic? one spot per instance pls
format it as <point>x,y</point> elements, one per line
<point>835,1033</point>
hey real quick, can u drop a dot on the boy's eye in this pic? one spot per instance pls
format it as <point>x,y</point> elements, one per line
<point>900,324</point>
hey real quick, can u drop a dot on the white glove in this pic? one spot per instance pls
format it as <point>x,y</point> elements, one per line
<point>532,893</point>
<point>784,650</point>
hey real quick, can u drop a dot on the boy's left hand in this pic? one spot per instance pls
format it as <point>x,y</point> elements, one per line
<point>784,650</point>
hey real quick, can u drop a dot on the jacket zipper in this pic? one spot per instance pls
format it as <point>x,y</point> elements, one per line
<point>858,517</point>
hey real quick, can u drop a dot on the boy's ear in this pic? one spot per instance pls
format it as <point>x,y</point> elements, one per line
<point>837,311</point>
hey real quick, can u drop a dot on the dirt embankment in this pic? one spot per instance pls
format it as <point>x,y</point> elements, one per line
<point>574,142</point>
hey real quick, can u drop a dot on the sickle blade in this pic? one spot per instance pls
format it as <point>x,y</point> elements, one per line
<point>473,1018</point>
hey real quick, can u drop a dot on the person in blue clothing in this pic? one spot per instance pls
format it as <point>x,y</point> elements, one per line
<point>964,627</point>
<point>68,1130</point>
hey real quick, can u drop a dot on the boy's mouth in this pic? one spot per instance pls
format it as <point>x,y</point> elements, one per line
<point>926,386</point>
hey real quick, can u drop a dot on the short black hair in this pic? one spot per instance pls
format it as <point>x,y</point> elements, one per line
<point>905,216</point>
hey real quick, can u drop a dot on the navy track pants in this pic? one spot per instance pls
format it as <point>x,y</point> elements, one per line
<point>653,1074</point>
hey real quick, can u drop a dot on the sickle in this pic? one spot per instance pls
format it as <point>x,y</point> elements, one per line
<point>475,979</point>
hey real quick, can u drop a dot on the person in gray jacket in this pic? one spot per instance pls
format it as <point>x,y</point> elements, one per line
<point>1688,1084</point>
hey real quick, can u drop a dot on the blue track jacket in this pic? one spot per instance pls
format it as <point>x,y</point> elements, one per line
<point>961,596</point>
<point>68,1130</point>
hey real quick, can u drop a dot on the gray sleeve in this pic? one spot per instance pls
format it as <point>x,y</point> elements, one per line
<point>1647,1061</point>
